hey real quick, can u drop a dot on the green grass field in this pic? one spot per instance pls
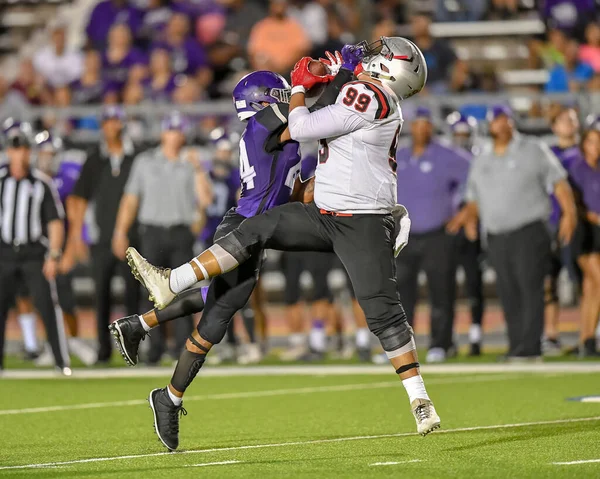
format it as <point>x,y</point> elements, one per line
<point>493,425</point>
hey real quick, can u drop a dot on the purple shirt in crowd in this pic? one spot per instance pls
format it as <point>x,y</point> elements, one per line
<point>115,74</point>
<point>587,180</point>
<point>87,94</point>
<point>567,14</point>
<point>567,157</point>
<point>154,22</point>
<point>267,176</point>
<point>105,15</point>
<point>187,58</point>
<point>428,185</point>
<point>159,95</point>
<point>225,190</point>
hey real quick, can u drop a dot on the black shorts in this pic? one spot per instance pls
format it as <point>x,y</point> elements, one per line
<point>364,243</point>
<point>231,291</point>
<point>318,265</point>
<point>586,239</point>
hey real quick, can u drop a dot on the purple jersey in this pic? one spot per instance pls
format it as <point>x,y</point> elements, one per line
<point>225,191</point>
<point>567,157</point>
<point>162,94</point>
<point>186,58</point>
<point>106,14</point>
<point>87,94</point>
<point>116,74</point>
<point>268,170</point>
<point>587,181</point>
<point>68,173</point>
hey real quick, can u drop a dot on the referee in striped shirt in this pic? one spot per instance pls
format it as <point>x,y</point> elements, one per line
<point>31,236</point>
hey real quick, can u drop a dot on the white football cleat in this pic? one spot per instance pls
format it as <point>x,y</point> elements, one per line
<point>425,415</point>
<point>154,279</point>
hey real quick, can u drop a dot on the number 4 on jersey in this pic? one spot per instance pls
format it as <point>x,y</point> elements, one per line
<point>247,172</point>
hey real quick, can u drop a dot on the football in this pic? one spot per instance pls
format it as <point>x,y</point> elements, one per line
<point>320,69</point>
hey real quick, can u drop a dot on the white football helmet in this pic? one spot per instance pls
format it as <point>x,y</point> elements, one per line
<point>397,63</point>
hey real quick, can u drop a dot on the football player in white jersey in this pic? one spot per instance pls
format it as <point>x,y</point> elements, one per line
<point>352,212</point>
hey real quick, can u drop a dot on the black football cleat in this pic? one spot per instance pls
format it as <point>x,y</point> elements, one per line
<point>128,333</point>
<point>166,417</point>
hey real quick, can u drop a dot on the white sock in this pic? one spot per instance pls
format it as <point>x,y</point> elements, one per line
<point>176,400</point>
<point>144,323</point>
<point>363,338</point>
<point>415,388</point>
<point>27,323</point>
<point>182,278</point>
<point>297,339</point>
<point>317,338</point>
<point>475,333</point>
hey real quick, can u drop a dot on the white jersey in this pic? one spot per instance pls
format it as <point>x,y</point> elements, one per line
<point>358,138</point>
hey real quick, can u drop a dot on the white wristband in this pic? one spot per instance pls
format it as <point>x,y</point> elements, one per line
<point>298,89</point>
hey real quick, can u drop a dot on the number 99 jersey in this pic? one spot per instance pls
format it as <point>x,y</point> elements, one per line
<point>357,160</point>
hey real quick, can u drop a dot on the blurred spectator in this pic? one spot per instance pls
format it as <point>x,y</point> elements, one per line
<point>29,85</point>
<point>507,189</point>
<point>187,92</point>
<point>100,188</point>
<point>565,126</point>
<point>438,54</point>
<point>586,244</point>
<point>187,55</point>
<point>277,42</point>
<point>460,10</point>
<point>503,10</point>
<point>108,13</point>
<point>335,30</point>
<point>549,53</point>
<point>121,62</point>
<point>572,75</point>
<point>89,89</point>
<point>429,177</point>
<point>590,52</point>
<point>55,62</point>
<point>570,16</point>
<point>241,16</point>
<point>313,18</point>
<point>209,27</point>
<point>162,82</point>
<point>393,10</point>
<point>156,16</point>
<point>165,220</point>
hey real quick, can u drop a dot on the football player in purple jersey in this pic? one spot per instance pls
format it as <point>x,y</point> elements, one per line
<point>271,174</point>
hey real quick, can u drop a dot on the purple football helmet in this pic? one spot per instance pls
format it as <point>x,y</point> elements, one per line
<point>258,87</point>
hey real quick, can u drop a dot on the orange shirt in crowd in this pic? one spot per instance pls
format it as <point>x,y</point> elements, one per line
<point>277,44</point>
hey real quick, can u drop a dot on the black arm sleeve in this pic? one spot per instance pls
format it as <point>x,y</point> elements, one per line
<point>274,119</point>
<point>332,91</point>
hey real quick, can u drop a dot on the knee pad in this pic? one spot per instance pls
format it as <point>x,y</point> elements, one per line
<point>232,245</point>
<point>397,339</point>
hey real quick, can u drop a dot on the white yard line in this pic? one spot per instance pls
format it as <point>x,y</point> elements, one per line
<point>247,394</point>
<point>222,463</point>
<point>316,370</point>
<point>394,463</point>
<point>304,443</point>
<point>572,463</point>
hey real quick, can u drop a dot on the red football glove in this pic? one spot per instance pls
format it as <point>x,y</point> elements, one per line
<point>301,76</point>
<point>358,70</point>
